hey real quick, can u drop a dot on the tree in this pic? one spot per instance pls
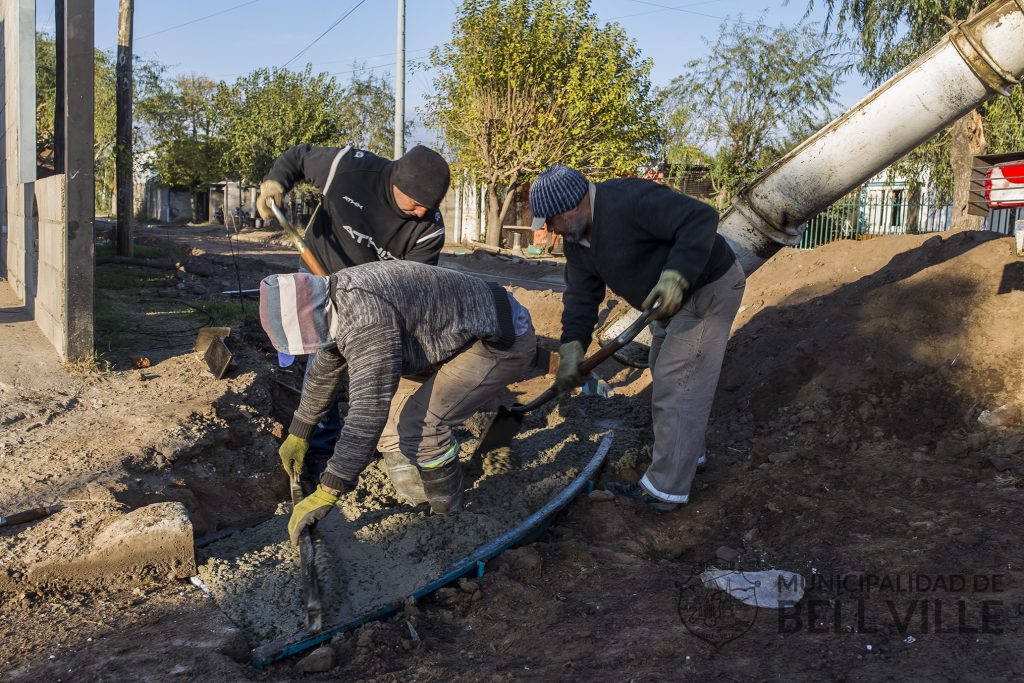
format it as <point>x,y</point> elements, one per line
<point>892,33</point>
<point>756,93</point>
<point>187,144</point>
<point>366,116</point>
<point>527,83</point>
<point>105,87</point>
<point>270,110</point>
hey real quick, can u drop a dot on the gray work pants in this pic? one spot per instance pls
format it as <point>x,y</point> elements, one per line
<point>422,415</point>
<point>686,359</point>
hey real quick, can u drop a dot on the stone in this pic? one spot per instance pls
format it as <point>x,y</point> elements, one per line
<point>152,542</point>
<point>1003,416</point>
<point>976,441</point>
<point>727,554</point>
<point>318,661</point>
<point>601,496</point>
<point>949,448</point>
<point>469,586</point>
<point>782,458</point>
<point>866,410</point>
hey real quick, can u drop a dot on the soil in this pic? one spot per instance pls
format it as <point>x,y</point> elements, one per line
<point>379,550</point>
<point>845,442</point>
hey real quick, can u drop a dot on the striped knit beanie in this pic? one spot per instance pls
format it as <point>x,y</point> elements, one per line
<point>295,311</point>
<point>556,190</point>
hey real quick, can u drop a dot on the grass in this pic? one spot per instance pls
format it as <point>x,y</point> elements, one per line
<point>130,277</point>
<point>88,366</point>
<point>227,313</point>
<point>142,251</point>
<point>1008,479</point>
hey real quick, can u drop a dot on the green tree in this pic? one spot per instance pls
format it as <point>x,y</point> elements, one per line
<point>105,113</point>
<point>270,110</point>
<point>526,83</point>
<point>366,114</point>
<point>757,92</point>
<point>185,139</point>
<point>893,33</point>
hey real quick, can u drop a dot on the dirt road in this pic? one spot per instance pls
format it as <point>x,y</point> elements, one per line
<point>845,446</point>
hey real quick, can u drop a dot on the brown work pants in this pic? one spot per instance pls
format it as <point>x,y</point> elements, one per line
<point>422,414</point>
<point>686,360</point>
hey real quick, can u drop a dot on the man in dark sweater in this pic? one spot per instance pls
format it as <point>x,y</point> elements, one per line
<point>648,243</point>
<point>387,320</point>
<point>373,209</point>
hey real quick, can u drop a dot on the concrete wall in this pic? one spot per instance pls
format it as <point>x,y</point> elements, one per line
<point>19,133</point>
<point>48,256</point>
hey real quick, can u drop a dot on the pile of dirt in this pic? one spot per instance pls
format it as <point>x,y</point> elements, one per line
<point>379,550</point>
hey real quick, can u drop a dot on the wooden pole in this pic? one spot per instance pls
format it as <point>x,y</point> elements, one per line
<point>123,145</point>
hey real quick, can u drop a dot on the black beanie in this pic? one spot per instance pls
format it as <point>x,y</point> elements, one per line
<point>422,174</point>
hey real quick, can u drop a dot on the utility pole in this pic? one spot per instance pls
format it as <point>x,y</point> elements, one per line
<point>400,83</point>
<point>123,143</point>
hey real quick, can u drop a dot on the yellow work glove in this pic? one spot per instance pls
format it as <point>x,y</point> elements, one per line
<point>309,511</point>
<point>269,189</point>
<point>669,291</point>
<point>568,376</point>
<point>293,452</point>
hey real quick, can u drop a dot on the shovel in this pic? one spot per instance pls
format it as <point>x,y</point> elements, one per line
<point>308,258</point>
<point>307,567</point>
<point>506,421</point>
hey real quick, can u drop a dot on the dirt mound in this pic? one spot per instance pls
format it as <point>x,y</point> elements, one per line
<point>911,331</point>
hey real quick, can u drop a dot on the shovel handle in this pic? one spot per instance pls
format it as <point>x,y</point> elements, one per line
<point>588,364</point>
<point>308,258</point>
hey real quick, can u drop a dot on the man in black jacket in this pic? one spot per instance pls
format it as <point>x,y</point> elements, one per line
<point>648,243</point>
<point>373,209</point>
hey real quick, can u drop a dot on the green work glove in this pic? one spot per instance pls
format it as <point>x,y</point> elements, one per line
<point>669,291</point>
<point>269,189</point>
<point>309,511</point>
<point>293,452</point>
<point>568,376</point>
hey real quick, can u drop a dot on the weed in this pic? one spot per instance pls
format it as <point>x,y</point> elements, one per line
<point>1008,479</point>
<point>88,366</point>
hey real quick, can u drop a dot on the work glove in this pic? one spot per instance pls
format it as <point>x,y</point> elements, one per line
<point>568,376</point>
<point>309,511</point>
<point>669,291</point>
<point>293,452</point>
<point>269,189</point>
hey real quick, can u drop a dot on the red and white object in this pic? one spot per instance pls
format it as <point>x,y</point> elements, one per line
<point>1004,186</point>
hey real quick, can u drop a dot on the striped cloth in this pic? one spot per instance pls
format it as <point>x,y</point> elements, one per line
<point>295,312</point>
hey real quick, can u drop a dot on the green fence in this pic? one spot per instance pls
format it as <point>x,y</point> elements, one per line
<point>856,217</point>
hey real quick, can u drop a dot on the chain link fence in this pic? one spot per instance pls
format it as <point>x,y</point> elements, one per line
<point>860,217</point>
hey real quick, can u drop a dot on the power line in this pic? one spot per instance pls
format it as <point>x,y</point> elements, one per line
<point>329,29</point>
<point>193,21</point>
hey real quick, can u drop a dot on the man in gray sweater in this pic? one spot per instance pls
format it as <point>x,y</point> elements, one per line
<point>385,320</point>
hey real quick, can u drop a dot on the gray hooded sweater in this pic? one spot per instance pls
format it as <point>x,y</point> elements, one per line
<point>391,319</point>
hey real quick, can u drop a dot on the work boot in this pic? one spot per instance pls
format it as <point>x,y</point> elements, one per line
<point>405,477</point>
<point>636,492</point>
<point>443,487</point>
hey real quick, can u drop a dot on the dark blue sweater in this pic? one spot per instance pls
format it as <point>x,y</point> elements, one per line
<point>640,228</point>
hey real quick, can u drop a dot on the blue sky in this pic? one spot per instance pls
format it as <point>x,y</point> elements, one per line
<point>247,34</point>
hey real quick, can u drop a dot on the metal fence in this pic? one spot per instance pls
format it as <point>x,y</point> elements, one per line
<point>856,217</point>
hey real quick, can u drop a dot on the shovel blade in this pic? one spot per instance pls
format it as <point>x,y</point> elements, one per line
<point>500,432</point>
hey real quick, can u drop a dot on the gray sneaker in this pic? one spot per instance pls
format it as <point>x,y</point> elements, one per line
<point>639,494</point>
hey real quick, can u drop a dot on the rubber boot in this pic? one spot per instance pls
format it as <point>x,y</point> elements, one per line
<point>443,487</point>
<point>405,477</point>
